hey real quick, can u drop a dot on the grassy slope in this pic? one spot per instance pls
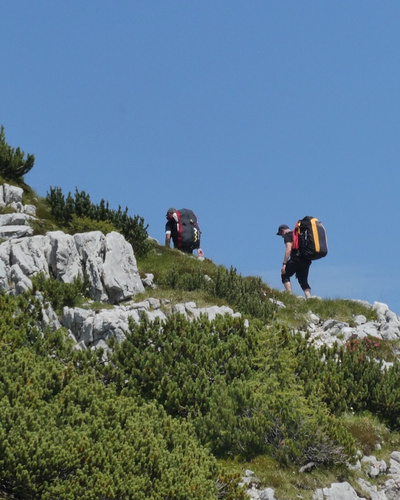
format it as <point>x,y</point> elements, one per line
<point>287,482</point>
<point>160,261</point>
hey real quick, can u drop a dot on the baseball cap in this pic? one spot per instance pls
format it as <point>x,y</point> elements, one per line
<point>171,210</point>
<point>280,228</point>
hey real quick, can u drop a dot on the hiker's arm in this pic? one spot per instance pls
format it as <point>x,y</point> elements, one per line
<point>288,249</point>
<point>167,239</point>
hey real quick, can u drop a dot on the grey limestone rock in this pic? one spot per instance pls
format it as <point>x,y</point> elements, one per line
<point>108,261</point>
<point>121,277</point>
<point>337,491</point>
<point>15,225</point>
<point>11,194</point>
<point>89,326</point>
<point>267,494</point>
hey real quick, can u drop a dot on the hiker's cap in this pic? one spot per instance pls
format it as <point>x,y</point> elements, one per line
<point>171,210</point>
<point>281,228</point>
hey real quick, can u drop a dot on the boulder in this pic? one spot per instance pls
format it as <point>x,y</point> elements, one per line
<point>337,491</point>
<point>121,277</point>
<point>89,326</point>
<point>15,225</point>
<point>107,261</point>
<point>12,194</point>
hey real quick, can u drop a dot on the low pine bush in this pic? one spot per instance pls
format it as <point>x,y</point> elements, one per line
<point>245,294</point>
<point>85,224</point>
<point>13,164</point>
<point>60,294</point>
<point>352,378</point>
<point>65,434</point>
<point>69,210</point>
<point>236,384</point>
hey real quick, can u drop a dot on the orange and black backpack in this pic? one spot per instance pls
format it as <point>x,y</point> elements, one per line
<point>309,237</point>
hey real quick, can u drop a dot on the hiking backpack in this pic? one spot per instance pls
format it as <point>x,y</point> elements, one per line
<point>188,229</point>
<point>309,237</point>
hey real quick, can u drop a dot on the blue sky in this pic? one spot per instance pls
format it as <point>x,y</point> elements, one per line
<point>252,113</point>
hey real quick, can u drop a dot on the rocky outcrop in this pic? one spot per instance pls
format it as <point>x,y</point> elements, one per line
<point>108,262</point>
<point>11,197</point>
<point>16,223</point>
<point>368,468</point>
<point>328,332</point>
<point>92,328</point>
<point>372,468</point>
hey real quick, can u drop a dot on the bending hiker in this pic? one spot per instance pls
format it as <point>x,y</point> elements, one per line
<point>293,263</point>
<point>171,231</point>
<point>182,227</point>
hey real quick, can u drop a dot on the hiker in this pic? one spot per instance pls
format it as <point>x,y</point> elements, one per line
<point>171,228</point>
<point>293,263</point>
<point>182,227</point>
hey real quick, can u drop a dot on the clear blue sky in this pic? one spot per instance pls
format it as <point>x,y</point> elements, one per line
<point>252,113</point>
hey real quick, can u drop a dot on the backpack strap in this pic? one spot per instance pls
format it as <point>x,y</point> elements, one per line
<point>296,231</point>
<point>179,227</point>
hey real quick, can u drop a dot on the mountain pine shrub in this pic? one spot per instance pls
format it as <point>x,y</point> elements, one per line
<point>351,379</point>
<point>85,224</point>
<point>13,164</point>
<point>236,384</point>
<point>72,213</point>
<point>65,434</point>
<point>245,294</point>
<point>60,294</point>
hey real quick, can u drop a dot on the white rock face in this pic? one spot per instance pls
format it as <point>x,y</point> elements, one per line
<point>119,269</point>
<point>11,196</point>
<point>337,491</point>
<point>108,261</point>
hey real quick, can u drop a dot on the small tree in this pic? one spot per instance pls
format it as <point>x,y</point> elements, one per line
<point>13,166</point>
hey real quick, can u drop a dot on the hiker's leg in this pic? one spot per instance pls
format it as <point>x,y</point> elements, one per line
<point>288,286</point>
<point>302,276</point>
<point>289,271</point>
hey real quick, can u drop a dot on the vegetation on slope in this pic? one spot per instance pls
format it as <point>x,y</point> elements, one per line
<point>174,404</point>
<point>66,434</point>
<point>78,213</point>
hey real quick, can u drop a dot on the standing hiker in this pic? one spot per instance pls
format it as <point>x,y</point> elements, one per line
<point>182,227</point>
<point>293,263</point>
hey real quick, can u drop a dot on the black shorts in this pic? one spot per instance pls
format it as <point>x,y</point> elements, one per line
<point>300,268</point>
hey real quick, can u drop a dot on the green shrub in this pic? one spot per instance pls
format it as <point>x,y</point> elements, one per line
<point>385,396</point>
<point>85,224</point>
<point>237,386</point>
<point>13,165</point>
<point>79,440</point>
<point>60,294</point>
<point>18,320</point>
<point>181,367</point>
<point>80,206</point>
<point>65,434</point>
<point>246,295</point>
<point>351,379</point>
